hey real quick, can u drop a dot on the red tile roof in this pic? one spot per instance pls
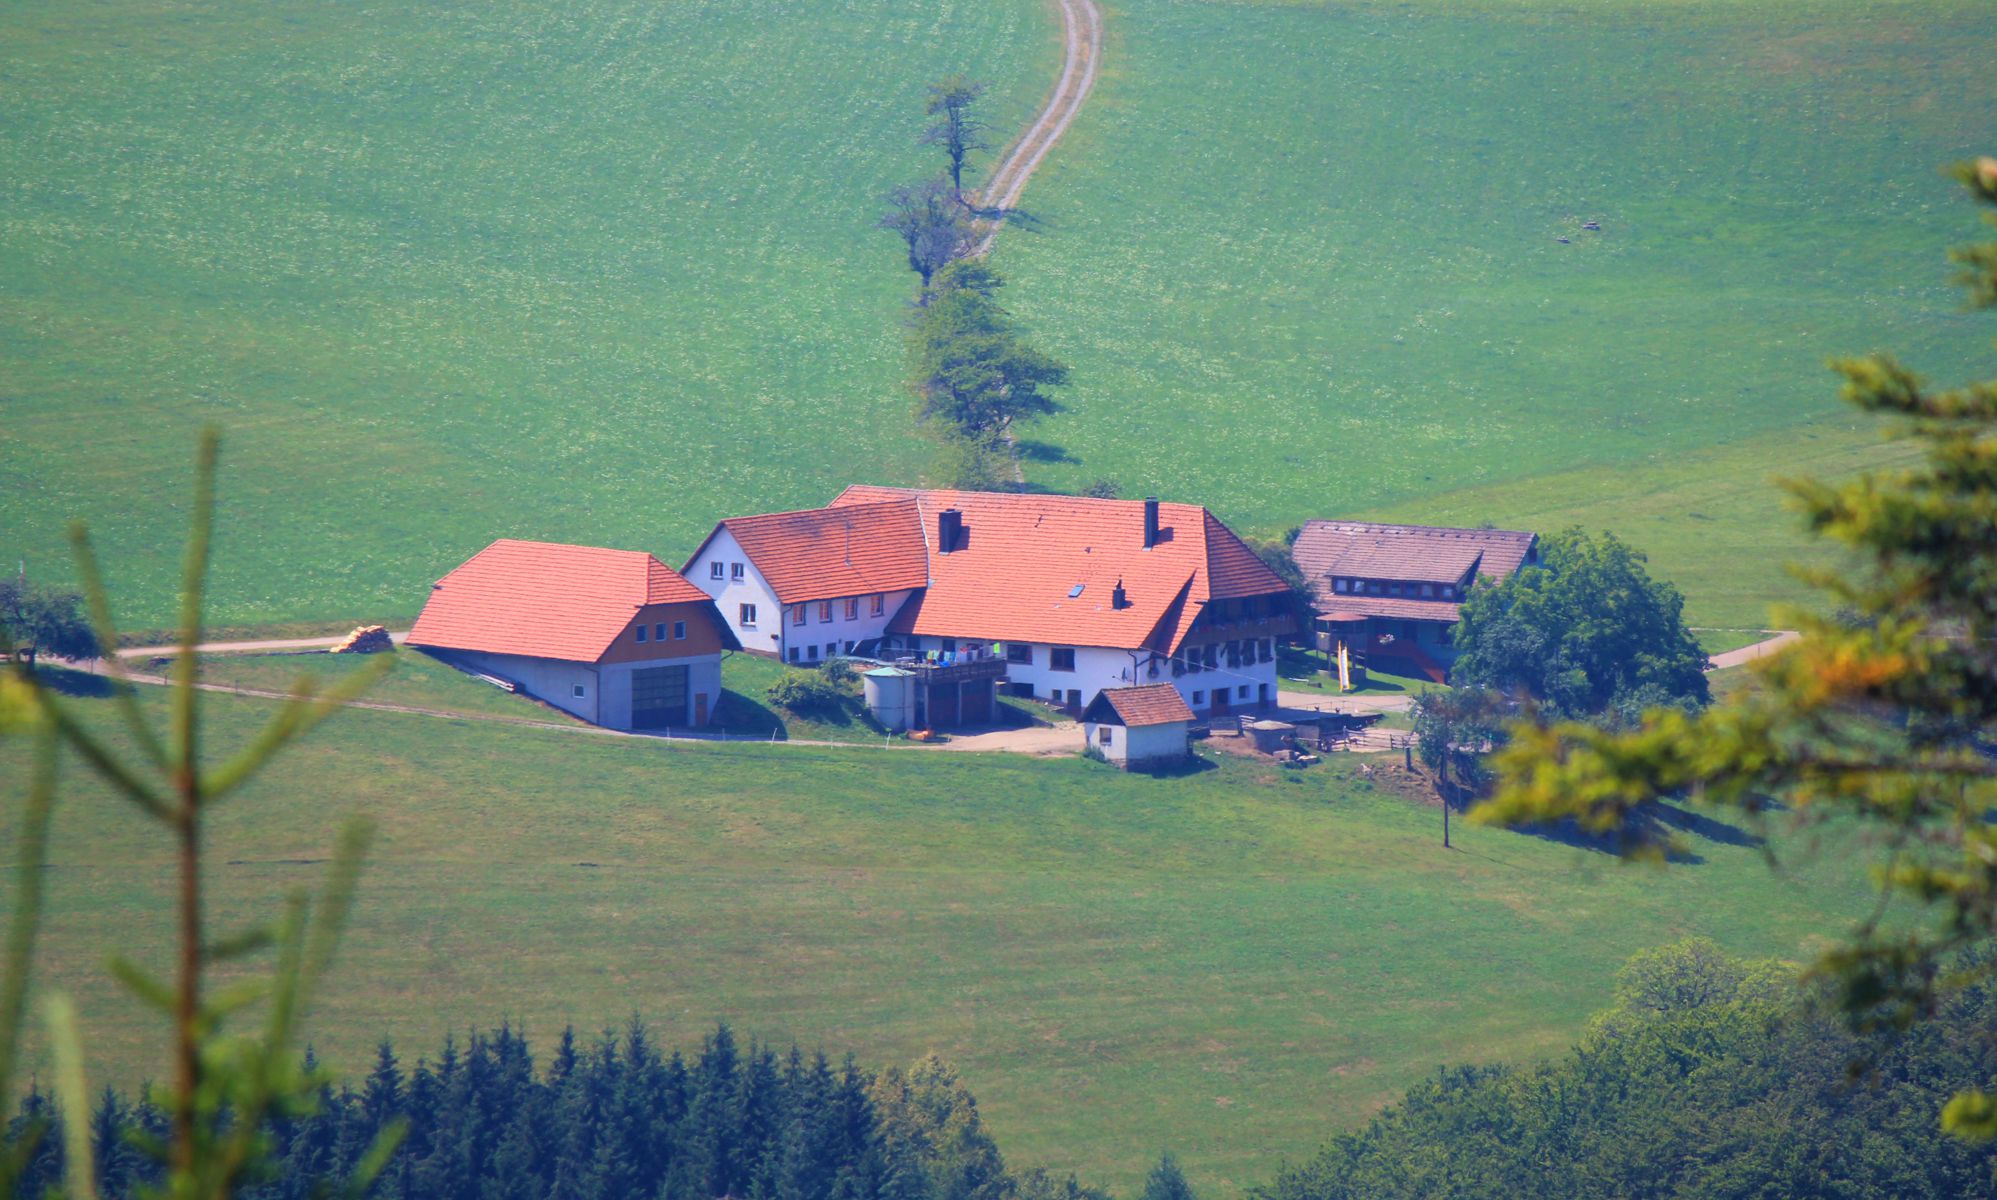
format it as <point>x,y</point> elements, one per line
<point>1394,607</point>
<point>825,553</point>
<point>1153,704</point>
<point>546,600</point>
<point>1039,568</point>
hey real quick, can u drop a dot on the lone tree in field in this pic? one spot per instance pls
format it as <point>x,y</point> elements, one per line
<point>955,130</point>
<point>42,620</point>
<point>1885,721</point>
<point>973,370</point>
<point>929,219</point>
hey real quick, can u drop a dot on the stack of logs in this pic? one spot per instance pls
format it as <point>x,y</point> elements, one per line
<point>368,639</point>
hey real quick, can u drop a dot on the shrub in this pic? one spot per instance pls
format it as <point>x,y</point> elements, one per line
<point>840,674</point>
<point>805,691</point>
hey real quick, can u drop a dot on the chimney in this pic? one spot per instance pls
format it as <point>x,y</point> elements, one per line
<point>1119,598</point>
<point>1150,521</point>
<point>949,530</point>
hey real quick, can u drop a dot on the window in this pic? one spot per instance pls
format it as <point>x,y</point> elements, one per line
<point>714,569</point>
<point>1338,585</point>
<point>1265,650</point>
<point>1199,697</point>
<point>1241,692</point>
<point>679,631</point>
<point>797,614</point>
<point>849,647</point>
<point>1103,734</point>
<point>814,653</point>
<point>852,608</point>
<point>578,690</point>
<point>824,611</point>
<point>949,645</point>
<point>747,616</point>
<point>659,632</point>
<point>1061,658</point>
<point>1019,652</point>
<point>641,633</point>
<point>734,570</point>
<point>793,653</point>
<point>880,602</point>
<point>1208,657</point>
<point>1428,589</point>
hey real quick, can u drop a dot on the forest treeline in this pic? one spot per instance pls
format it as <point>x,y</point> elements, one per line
<point>608,1119</point>
<point>1707,1079</point>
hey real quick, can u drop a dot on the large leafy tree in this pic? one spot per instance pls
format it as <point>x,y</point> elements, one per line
<point>43,620</point>
<point>1884,719</point>
<point>1586,635</point>
<point>974,370</point>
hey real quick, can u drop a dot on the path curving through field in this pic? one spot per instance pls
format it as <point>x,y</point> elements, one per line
<point>1082,44</point>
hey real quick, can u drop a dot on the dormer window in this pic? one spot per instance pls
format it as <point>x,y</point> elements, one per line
<point>641,633</point>
<point>1428,589</point>
<point>1338,585</point>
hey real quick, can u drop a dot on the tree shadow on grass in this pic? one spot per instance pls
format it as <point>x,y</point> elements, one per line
<point>1044,452</point>
<point>739,716</point>
<point>80,684</point>
<point>1650,828</point>
<point>1177,768</point>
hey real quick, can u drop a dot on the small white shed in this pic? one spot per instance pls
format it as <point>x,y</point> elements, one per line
<point>1137,727</point>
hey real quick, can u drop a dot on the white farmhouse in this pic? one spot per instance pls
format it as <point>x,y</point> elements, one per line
<point>1075,594</point>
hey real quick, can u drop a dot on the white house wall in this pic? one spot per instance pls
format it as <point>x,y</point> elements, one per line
<point>1154,743</point>
<point>773,632</point>
<point>606,698</point>
<point>1098,667</point>
<point>839,631</point>
<point>730,594</point>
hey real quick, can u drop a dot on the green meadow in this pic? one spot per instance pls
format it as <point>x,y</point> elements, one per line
<point>1232,964</point>
<point>607,272</point>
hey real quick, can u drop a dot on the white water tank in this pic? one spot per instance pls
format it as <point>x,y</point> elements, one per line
<point>890,694</point>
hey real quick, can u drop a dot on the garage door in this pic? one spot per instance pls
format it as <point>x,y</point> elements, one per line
<point>658,697</point>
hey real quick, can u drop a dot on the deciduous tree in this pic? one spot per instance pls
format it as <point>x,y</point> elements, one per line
<point>1586,635</point>
<point>930,221</point>
<point>955,129</point>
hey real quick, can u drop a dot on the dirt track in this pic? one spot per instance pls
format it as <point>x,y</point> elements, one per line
<point>1082,38</point>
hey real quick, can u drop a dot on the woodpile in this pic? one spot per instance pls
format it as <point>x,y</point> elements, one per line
<point>368,639</point>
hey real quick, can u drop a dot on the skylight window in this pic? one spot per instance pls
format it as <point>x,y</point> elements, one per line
<point>1075,591</point>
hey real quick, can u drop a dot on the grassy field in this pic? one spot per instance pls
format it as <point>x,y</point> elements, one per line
<point>1306,259</point>
<point>449,272</point>
<point>454,271</point>
<point>1261,956</point>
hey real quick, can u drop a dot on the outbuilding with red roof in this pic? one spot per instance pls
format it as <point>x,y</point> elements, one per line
<point>1138,727</point>
<point>614,637</point>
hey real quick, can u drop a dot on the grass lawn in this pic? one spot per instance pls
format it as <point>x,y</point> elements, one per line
<point>1362,286</point>
<point>603,272</point>
<point>1300,671</point>
<point>1232,964</point>
<point>416,680</point>
<point>607,272</point>
<point>1719,641</point>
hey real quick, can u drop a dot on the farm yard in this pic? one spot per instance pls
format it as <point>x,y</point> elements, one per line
<point>481,269</point>
<point>1259,954</point>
